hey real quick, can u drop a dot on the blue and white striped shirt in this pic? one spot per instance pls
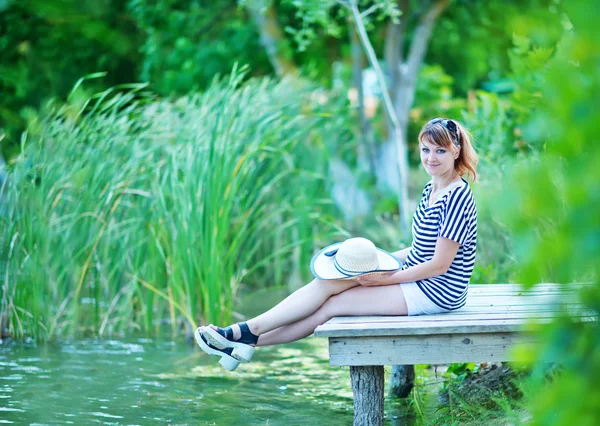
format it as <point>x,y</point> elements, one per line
<point>453,216</point>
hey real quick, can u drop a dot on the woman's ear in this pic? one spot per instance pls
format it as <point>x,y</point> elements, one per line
<point>457,152</point>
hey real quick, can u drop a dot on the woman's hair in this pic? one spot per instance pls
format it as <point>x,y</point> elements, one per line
<point>450,134</point>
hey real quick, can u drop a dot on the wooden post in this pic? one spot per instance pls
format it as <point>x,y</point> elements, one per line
<point>367,387</point>
<point>402,380</point>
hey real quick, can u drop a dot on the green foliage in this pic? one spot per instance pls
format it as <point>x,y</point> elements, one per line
<point>46,45</point>
<point>180,45</point>
<point>330,16</point>
<point>551,205</point>
<point>481,394</point>
<point>434,97</point>
<point>129,212</point>
<point>490,120</point>
<point>502,123</point>
<point>504,133</point>
<point>187,43</point>
<point>461,370</point>
<point>472,38</point>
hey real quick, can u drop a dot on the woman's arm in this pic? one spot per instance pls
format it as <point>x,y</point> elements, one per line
<point>445,252</point>
<point>401,254</point>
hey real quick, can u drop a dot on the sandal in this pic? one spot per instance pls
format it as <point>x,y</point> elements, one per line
<point>242,349</point>
<point>227,361</point>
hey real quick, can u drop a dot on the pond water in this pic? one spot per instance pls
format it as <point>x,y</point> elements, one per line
<point>154,382</point>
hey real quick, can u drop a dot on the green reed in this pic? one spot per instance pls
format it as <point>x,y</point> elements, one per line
<point>128,213</point>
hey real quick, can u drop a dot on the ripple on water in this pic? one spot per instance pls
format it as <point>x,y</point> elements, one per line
<point>148,381</point>
<point>12,377</point>
<point>29,369</point>
<point>109,347</point>
<point>29,359</point>
<point>106,415</point>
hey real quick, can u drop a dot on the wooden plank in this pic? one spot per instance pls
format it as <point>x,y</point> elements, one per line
<point>544,295</point>
<point>534,300</point>
<point>523,300</point>
<point>514,313</point>
<point>470,313</point>
<point>448,317</point>
<point>519,302</point>
<point>478,293</point>
<point>531,294</point>
<point>432,327</point>
<point>396,329</point>
<point>439,349</point>
<point>520,287</point>
<point>532,307</point>
<point>516,287</point>
<point>499,287</point>
<point>493,290</point>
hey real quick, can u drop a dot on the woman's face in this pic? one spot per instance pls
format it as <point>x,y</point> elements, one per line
<point>437,161</point>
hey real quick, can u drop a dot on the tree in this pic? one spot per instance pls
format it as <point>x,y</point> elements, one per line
<point>403,70</point>
<point>398,138</point>
<point>398,96</point>
<point>271,36</point>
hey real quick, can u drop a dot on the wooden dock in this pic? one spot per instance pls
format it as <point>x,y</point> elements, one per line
<point>485,330</point>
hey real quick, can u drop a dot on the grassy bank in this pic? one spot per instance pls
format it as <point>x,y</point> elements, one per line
<point>131,212</point>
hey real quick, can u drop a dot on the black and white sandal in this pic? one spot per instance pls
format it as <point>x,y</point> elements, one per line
<point>227,361</point>
<point>242,349</point>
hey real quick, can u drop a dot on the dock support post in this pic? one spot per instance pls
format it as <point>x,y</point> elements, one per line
<point>367,387</point>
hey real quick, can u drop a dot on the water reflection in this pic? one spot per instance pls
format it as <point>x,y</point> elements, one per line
<point>145,382</point>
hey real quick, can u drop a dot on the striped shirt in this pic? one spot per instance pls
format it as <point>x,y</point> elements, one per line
<point>453,216</point>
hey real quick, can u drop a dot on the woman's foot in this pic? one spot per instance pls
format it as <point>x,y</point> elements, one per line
<point>227,361</point>
<point>238,338</point>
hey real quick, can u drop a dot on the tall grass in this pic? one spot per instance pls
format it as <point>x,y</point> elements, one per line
<point>129,213</point>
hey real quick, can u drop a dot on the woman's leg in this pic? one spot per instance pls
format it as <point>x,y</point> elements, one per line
<point>381,300</point>
<point>298,305</point>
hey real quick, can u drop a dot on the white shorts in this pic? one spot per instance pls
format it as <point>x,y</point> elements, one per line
<point>417,302</point>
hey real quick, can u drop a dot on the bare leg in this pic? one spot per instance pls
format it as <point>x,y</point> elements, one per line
<point>381,300</point>
<point>298,305</point>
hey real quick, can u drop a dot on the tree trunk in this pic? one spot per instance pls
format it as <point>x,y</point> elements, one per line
<point>366,154</point>
<point>394,50</point>
<point>367,387</point>
<point>402,381</point>
<point>403,77</point>
<point>388,167</point>
<point>405,91</point>
<point>271,36</point>
<point>405,215</point>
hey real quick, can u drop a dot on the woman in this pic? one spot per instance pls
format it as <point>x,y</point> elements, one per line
<point>435,270</point>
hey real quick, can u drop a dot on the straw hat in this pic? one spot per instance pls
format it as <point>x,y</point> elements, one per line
<point>352,258</point>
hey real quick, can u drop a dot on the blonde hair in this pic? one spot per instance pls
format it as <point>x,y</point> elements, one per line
<point>450,134</point>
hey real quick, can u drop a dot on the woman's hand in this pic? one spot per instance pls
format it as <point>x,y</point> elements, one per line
<point>373,280</point>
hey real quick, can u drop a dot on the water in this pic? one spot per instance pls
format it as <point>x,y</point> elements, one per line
<point>153,382</point>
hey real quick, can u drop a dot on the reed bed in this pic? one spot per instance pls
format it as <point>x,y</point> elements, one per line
<point>132,213</point>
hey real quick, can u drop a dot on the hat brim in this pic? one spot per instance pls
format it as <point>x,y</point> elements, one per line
<point>323,267</point>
